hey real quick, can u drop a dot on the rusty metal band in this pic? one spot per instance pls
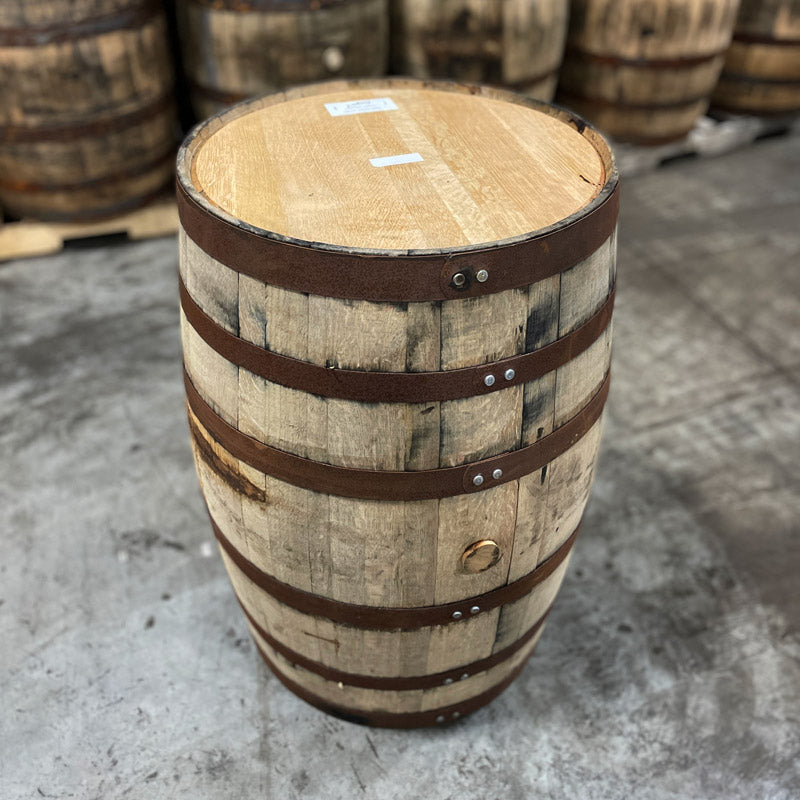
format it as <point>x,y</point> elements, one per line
<point>68,30</point>
<point>757,80</point>
<point>393,619</point>
<point>98,127</point>
<point>681,62</point>
<point>399,278</point>
<point>777,113</point>
<point>365,484</point>
<point>398,683</point>
<point>102,212</point>
<point>109,179</point>
<point>385,719</point>
<point>602,102</point>
<point>754,38</point>
<point>394,387</point>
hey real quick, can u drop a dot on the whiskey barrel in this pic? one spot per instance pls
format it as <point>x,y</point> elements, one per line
<point>86,107</point>
<point>761,75</point>
<point>643,70</point>
<point>234,49</point>
<point>396,302</point>
<point>518,44</point>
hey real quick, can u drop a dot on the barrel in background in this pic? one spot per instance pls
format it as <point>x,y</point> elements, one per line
<point>643,70</point>
<point>234,49</point>
<point>761,75</point>
<point>518,44</point>
<point>396,359</point>
<point>86,108</point>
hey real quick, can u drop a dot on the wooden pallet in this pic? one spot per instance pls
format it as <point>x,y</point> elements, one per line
<point>711,136</point>
<point>27,238</point>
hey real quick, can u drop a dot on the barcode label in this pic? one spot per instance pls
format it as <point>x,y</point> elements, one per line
<point>388,161</point>
<point>361,106</point>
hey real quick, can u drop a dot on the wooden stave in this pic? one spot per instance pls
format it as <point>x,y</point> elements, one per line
<point>488,55</point>
<point>776,61</point>
<point>648,127</point>
<point>776,19</point>
<point>647,84</point>
<point>372,708</point>
<point>515,616</point>
<point>442,645</point>
<point>604,27</point>
<point>647,90</point>
<point>220,76</point>
<point>756,97</point>
<point>84,152</point>
<point>422,657</point>
<point>27,14</point>
<point>212,495</point>
<point>94,201</point>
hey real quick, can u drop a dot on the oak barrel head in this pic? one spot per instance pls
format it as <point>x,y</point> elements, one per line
<point>396,305</point>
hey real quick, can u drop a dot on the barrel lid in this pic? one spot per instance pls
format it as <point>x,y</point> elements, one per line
<point>395,165</point>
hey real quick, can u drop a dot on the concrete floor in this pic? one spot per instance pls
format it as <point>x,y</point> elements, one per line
<point>671,664</point>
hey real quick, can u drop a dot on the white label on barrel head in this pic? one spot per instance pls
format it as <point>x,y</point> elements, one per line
<point>388,161</point>
<point>361,106</point>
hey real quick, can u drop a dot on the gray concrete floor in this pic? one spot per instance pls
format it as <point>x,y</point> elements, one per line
<point>670,667</point>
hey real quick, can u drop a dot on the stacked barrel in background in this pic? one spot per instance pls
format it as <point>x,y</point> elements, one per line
<point>518,44</point>
<point>643,71</point>
<point>762,68</point>
<point>86,107</point>
<point>234,49</point>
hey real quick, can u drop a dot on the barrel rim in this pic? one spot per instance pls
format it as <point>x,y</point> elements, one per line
<point>193,140</point>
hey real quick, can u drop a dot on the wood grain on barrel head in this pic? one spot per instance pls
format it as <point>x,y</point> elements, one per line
<point>490,170</point>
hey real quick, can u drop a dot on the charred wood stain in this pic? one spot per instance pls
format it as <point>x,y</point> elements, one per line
<point>538,328</point>
<point>233,478</point>
<point>424,438</point>
<point>533,408</point>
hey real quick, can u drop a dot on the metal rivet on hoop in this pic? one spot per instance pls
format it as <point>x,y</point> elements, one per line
<point>475,610</point>
<point>459,279</point>
<point>448,681</point>
<point>440,718</point>
<point>509,374</point>
<point>482,276</point>
<point>456,714</point>
<point>478,479</point>
<point>497,474</point>
<point>457,615</point>
<point>489,380</point>
<point>464,676</point>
